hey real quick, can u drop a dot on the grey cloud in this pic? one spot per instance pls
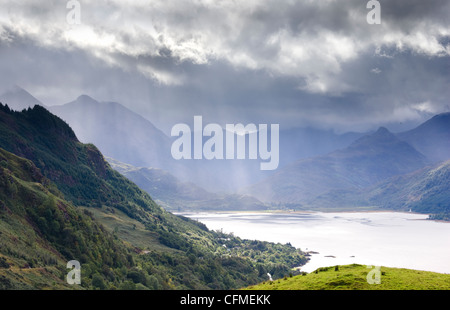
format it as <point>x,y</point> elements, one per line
<point>297,63</point>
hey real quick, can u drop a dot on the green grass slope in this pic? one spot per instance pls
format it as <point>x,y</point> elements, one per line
<point>354,277</point>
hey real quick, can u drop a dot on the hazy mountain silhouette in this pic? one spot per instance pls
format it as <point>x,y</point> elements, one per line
<point>366,161</point>
<point>311,160</point>
<point>116,131</point>
<point>175,195</point>
<point>129,138</point>
<point>126,136</point>
<point>18,99</point>
<point>426,190</point>
<point>298,143</point>
<point>431,138</point>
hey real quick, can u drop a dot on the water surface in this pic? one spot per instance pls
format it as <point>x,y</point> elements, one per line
<point>391,239</point>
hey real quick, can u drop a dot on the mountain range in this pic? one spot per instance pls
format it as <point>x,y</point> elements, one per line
<point>60,201</point>
<point>381,170</point>
<point>315,165</point>
<point>432,138</point>
<point>368,160</point>
<point>116,131</point>
<point>127,137</point>
<point>122,134</point>
<point>18,98</point>
<point>425,190</point>
<point>175,195</point>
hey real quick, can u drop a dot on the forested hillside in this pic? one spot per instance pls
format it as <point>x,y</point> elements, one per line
<point>77,207</point>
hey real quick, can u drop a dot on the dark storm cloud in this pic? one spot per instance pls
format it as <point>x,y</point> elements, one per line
<point>294,62</point>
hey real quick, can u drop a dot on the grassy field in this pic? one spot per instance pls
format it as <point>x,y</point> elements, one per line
<point>354,277</point>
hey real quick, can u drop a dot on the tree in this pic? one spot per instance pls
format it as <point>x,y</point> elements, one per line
<point>127,285</point>
<point>97,282</point>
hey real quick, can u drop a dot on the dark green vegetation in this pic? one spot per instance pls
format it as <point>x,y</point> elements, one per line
<point>40,232</point>
<point>354,277</point>
<point>60,200</point>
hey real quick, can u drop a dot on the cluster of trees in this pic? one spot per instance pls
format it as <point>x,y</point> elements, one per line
<point>57,231</point>
<point>43,226</point>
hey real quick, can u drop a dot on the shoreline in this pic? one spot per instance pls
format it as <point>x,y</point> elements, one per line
<point>296,212</point>
<point>316,255</point>
<point>307,212</point>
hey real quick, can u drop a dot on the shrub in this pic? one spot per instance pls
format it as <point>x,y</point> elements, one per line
<point>3,263</point>
<point>97,282</point>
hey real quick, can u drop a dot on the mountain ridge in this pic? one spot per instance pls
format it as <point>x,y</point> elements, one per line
<point>425,190</point>
<point>432,138</point>
<point>109,124</point>
<point>366,161</point>
<point>18,98</point>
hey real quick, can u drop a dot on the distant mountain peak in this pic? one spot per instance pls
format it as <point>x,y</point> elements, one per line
<point>18,98</point>
<point>382,130</point>
<point>443,117</point>
<point>431,137</point>
<point>370,159</point>
<point>117,131</point>
<point>443,114</point>
<point>86,99</point>
<point>16,88</point>
<point>381,137</point>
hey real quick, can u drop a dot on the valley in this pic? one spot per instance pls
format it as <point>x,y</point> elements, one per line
<point>58,191</point>
<point>191,152</point>
<point>62,201</point>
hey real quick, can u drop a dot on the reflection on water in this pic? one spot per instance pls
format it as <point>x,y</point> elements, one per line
<point>390,239</point>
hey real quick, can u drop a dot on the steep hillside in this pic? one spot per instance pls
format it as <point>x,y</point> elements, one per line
<point>116,131</point>
<point>165,248</point>
<point>40,232</point>
<point>78,170</point>
<point>431,138</point>
<point>426,191</point>
<point>368,160</point>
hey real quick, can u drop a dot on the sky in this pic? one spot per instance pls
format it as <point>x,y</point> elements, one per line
<point>294,63</point>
